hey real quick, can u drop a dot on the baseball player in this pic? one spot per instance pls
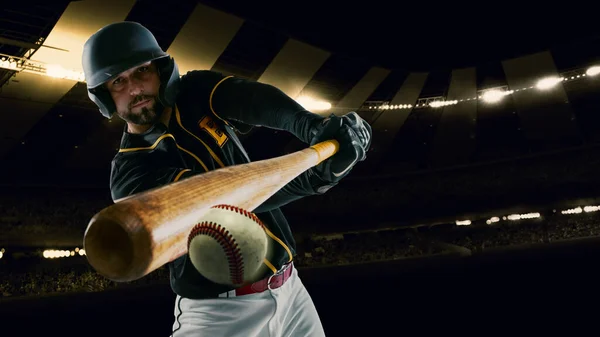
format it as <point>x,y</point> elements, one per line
<point>178,127</point>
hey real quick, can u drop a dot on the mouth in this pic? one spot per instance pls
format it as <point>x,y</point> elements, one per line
<point>142,103</point>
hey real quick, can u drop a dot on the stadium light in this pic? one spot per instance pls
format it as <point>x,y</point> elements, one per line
<point>494,95</point>
<point>312,104</point>
<point>593,71</point>
<point>548,83</point>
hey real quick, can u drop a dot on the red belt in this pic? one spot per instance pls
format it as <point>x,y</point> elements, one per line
<point>272,282</point>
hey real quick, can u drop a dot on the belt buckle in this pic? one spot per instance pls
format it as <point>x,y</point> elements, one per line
<point>279,272</point>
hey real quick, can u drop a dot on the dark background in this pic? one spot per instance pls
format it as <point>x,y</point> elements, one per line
<point>537,290</point>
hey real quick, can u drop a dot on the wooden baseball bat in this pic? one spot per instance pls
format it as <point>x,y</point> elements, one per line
<point>135,236</point>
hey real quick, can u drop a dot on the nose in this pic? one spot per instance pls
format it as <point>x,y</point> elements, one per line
<point>135,87</point>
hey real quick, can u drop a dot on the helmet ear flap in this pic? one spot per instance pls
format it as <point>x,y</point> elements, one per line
<point>103,100</point>
<point>168,73</point>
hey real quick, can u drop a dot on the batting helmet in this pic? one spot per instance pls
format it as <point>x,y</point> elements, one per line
<point>121,46</point>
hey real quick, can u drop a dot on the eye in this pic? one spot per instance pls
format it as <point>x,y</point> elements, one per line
<point>143,69</point>
<point>117,81</point>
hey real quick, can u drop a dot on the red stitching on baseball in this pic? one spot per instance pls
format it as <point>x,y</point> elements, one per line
<point>238,210</point>
<point>227,242</point>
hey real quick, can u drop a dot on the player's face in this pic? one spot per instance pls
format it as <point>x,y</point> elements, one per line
<point>135,93</point>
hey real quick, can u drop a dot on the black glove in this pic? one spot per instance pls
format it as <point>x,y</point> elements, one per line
<point>361,128</point>
<point>354,136</point>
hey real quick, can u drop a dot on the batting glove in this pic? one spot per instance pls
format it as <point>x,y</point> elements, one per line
<point>354,136</point>
<point>361,128</point>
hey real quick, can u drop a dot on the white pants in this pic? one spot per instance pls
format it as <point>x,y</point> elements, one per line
<point>283,312</point>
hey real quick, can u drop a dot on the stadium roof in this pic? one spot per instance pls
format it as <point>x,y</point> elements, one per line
<point>361,52</point>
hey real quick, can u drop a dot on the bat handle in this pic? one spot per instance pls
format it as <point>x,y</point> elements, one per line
<point>326,149</point>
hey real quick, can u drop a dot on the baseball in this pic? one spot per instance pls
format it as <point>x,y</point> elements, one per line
<point>229,246</point>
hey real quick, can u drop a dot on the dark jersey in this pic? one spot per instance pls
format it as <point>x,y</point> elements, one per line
<point>201,137</point>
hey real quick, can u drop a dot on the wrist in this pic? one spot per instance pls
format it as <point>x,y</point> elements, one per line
<point>317,123</point>
<point>319,185</point>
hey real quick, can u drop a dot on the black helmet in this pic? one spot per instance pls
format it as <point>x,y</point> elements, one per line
<point>121,46</point>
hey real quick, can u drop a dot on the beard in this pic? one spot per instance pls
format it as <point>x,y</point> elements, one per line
<point>148,115</point>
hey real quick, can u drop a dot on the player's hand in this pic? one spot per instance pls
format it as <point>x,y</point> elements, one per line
<point>361,128</point>
<point>354,139</point>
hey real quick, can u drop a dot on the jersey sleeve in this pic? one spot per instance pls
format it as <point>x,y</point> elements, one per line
<point>131,179</point>
<point>233,99</point>
<point>304,185</point>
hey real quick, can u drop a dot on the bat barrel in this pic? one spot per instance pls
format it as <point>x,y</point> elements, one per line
<point>111,248</point>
